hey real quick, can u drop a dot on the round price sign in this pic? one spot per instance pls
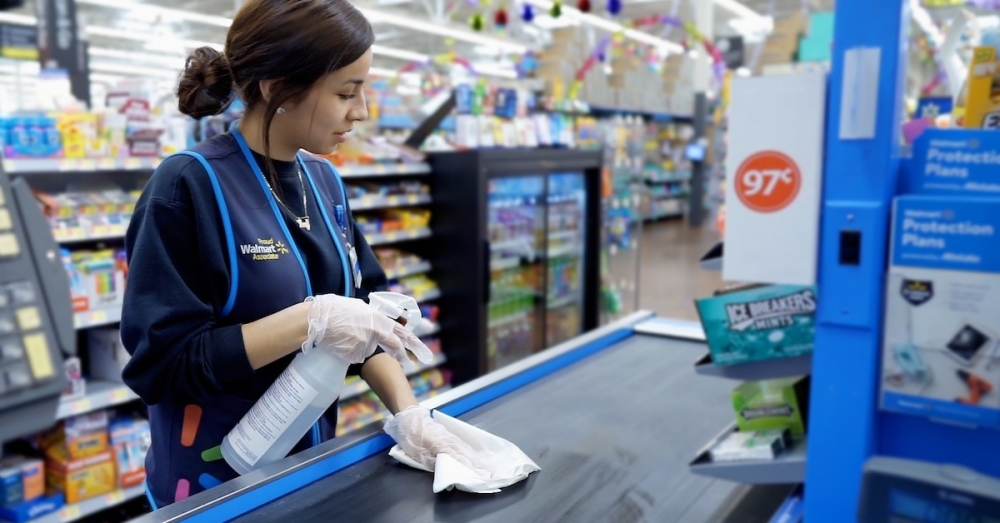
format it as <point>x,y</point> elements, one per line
<point>768,181</point>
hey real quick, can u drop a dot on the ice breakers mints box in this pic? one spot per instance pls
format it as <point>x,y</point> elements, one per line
<point>941,346</point>
<point>759,323</point>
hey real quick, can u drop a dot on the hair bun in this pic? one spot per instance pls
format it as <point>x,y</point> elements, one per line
<point>206,85</point>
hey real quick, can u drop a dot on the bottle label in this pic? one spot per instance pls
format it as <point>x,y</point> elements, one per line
<point>283,402</point>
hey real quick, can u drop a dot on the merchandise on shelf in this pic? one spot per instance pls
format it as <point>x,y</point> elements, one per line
<point>97,278</point>
<point>773,404</point>
<point>74,373</point>
<point>130,439</point>
<point>982,101</point>
<point>759,322</point>
<point>367,409</point>
<point>391,258</point>
<point>76,215</point>
<point>416,286</point>
<point>32,510</point>
<point>392,220</point>
<point>373,190</point>
<point>753,445</point>
<point>941,345</point>
<point>31,137</point>
<point>78,437</point>
<point>78,460</point>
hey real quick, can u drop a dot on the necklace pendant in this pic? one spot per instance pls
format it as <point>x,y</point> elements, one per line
<point>303,222</point>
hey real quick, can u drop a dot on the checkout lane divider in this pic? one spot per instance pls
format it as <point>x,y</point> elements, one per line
<point>243,502</point>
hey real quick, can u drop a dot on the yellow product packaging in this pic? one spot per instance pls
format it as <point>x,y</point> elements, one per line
<point>982,101</point>
<point>80,479</point>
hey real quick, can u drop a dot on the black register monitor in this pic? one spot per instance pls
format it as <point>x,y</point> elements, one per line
<point>36,316</point>
<point>908,491</point>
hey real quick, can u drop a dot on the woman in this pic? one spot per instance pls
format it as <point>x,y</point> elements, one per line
<point>230,238</point>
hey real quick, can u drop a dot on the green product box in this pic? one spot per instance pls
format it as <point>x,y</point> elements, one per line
<point>773,404</point>
<point>759,323</point>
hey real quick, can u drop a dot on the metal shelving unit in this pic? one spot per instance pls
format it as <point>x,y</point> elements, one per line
<point>100,395</point>
<point>789,467</point>
<point>405,270</point>
<point>385,238</point>
<point>92,506</point>
<point>365,203</point>
<point>756,371</point>
<point>99,317</point>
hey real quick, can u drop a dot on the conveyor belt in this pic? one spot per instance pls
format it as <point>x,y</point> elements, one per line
<point>613,435</point>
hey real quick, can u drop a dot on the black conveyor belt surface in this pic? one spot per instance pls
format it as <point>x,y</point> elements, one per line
<point>613,435</point>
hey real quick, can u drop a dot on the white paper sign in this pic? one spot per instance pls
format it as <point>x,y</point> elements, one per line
<point>774,179</point>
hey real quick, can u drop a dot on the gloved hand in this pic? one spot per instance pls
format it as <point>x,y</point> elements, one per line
<point>351,329</point>
<point>423,439</point>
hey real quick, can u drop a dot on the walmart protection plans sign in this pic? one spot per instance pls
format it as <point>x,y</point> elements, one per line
<point>774,179</point>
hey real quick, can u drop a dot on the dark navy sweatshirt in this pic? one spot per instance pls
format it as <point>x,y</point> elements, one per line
<point>179,276</point>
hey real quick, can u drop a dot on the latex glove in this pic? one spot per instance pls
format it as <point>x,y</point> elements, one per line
<point>351,329</point>
<point>423,439</point>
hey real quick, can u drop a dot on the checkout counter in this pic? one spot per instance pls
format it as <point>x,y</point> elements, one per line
<point>590,412</point>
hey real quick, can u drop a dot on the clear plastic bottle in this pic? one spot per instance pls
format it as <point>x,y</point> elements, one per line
<point>283,415</point>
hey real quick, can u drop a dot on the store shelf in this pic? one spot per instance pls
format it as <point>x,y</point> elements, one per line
<point>786,468</point>
<point>506,320</point>
<point>564,235</point>
<point>360,387</point>
<point>92,506</point>
<point>503,264</point>
<point>524,243</point>
<point>758,370</point>
<point>65,235</point>
<point>407,269</point>
<point>99,317</point>
<point>432,294</point>
<point>368,171</point>
<point>381,415</point>
<point>562,302</point>
<point>563,251</point>
<point>38,166</point>
<point>100,395</point>
<point>383,202</point>
<point>386,238</point>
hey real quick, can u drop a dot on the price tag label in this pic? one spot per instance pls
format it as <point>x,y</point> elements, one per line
<point>380,169</point>
<point>87,164</point>
<point>115,498</point>
<point>393,200</point>
<point>9,166</point>
<point>768,181</point>
<point>119,395</point>
<point>80,406</point>
<point>106,163</point>
<point>67,165</point>
<point>69,513</point>
<point>413,198</point>
<point>391,236</point>
<point>133,163</point>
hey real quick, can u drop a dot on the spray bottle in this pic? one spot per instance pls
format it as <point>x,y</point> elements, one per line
<point>300,395</point>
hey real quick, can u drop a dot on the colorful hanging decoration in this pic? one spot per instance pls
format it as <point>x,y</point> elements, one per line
<point>614,7</point>
<point>556,10</point>
<point>477,22</point>
<point>527,14</point>
<point>583,6</point>
<point>596,56</point>
<point>500,18</point>
<point>718,62</point>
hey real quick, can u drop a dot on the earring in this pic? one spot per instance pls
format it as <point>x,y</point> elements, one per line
<point>281,110</point>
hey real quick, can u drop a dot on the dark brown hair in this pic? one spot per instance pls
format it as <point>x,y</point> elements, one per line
<point>295,42</point>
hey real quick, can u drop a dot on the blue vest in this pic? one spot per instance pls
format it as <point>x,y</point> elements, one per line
<point>267,274</point>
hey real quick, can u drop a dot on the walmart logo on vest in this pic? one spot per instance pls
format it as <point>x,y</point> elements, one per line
<point>264,250</point>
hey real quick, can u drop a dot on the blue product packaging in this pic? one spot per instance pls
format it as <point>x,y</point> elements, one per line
<point>32,510</point>
<point>955,162</point>
<point>463,99</point>
<point>11,486</point>
<point>941,331</point>
<point>759,323</point>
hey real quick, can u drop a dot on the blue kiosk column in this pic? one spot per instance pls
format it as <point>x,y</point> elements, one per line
<point>861,165</point>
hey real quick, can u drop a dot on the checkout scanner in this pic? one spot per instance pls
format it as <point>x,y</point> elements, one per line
<point>36,315</point>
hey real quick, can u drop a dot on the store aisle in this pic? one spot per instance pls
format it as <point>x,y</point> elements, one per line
<point>670,277</point>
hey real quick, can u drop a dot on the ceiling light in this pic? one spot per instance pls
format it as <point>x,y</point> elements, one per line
<point>177,14</point>
<point>738,9</point>
<point>133,70</point>
<point>402,54</point>
<point>109,32</point>
<point>426,26</point>
<point>612,27</point>
<point>172,62</point>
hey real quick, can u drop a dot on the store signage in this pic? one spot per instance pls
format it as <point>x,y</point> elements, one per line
<point>59,43</point>
<point>946,233</point>
<point>774,179</point>
<point>18,42</point>
<point>953,161</point>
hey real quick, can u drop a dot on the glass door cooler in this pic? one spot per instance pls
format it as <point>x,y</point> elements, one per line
<point>516,242</point>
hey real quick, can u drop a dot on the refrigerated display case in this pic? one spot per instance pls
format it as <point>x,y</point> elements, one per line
<point>517,240</point>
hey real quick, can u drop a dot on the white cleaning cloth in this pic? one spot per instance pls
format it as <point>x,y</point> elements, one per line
<point>506,463</point>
